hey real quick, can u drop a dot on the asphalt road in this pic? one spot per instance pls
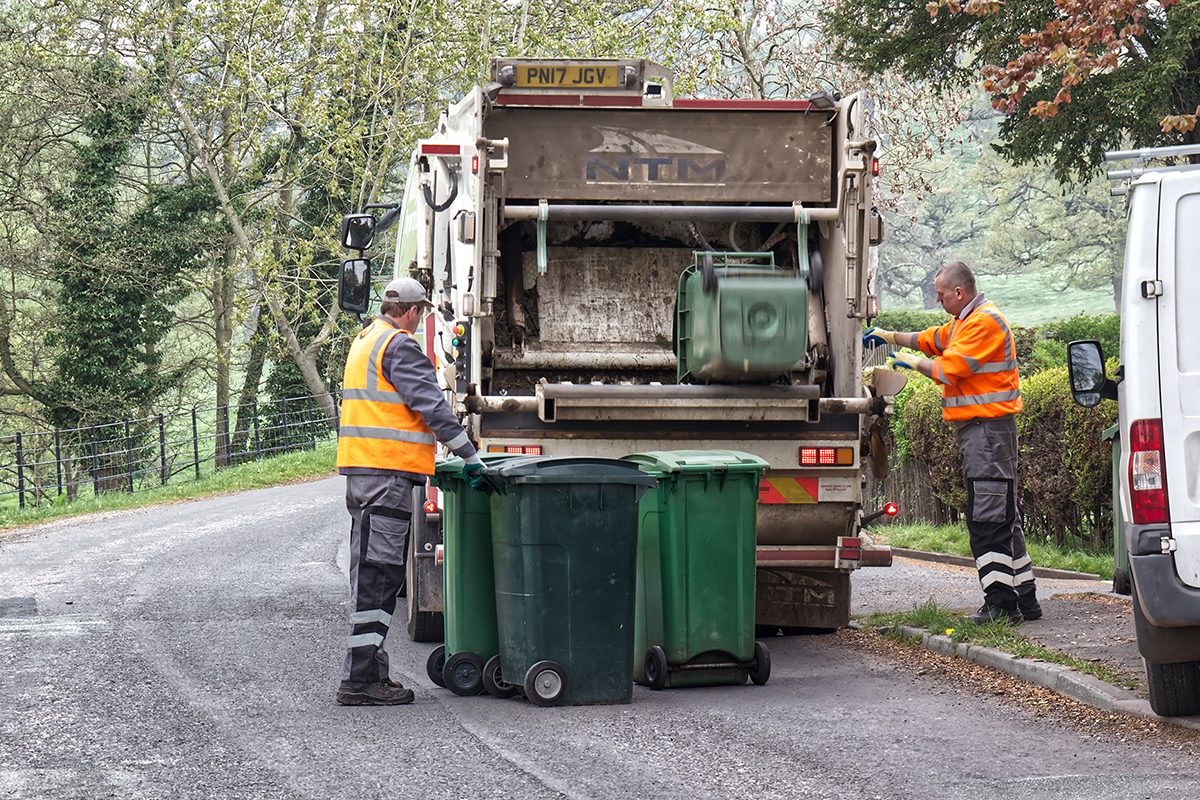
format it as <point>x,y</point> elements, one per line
<point>192,650</point>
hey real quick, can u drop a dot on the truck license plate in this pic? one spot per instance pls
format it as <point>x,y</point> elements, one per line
<point>567,77</point>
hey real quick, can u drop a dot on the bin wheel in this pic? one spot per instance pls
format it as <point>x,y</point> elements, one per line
<point>463,674</point>
<point>546,684</point>
<point>760,672</point>
<point>656,668</point>
<point>493,680</point>
<point>433,666</point>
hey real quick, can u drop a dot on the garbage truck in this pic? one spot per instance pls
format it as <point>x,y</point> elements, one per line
<point>616,270</point>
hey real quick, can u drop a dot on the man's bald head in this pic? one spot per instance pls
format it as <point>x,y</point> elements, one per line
<point>957,274</point>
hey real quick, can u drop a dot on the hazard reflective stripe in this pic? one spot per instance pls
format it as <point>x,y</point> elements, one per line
<point>1022,562</point>
<point>368,432</point>
<point>458,441</point>
<point>972,363</point>
<point>1024,576</point>
<point>373,395</point>
<point>374,615</point>
<point>939,374</point>
<point>937,339</point>
<point>781,490</point>
<point>364,640</point>
<point>994,558</point>
<point>997,577</point>
<point>980,399</point>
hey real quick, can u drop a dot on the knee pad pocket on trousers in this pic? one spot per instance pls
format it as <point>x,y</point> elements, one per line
<point>990,500</point>
<point>387,540</point>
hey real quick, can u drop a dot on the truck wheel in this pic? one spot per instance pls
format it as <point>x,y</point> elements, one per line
<point>546,684</point>
<point>760,672</point>
<point>1121,581</point>
<point>656,668</point>
<point>434,665</point>
<point>1174,688</point>
<point>493,680</point>
<point>463,674</point>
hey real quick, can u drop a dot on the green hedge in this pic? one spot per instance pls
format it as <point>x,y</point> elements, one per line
<point>1065,476</point>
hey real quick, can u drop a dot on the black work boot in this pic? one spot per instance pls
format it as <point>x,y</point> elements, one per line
<point>987,614</point>
<point>1029,607</point>
<point>380,693</point>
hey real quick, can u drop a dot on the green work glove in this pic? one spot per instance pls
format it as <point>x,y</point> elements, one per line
<point>477,477</point>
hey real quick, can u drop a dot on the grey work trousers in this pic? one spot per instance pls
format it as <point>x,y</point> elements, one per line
<point>380,509</point>
<point>989,460</point>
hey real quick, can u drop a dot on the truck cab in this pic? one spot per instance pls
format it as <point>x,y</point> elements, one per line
<point>1159,400</point>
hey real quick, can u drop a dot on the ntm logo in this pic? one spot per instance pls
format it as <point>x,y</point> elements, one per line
<point>655,169</point>
<point>644,157</point>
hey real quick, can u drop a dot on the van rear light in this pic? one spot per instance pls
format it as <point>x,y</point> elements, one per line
<point>1147,473</point>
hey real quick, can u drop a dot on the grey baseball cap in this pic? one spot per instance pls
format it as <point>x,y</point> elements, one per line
<point>405,290</point>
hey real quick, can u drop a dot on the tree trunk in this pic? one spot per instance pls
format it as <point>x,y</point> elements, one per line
<point>222,290</point>
<point>249,394</point>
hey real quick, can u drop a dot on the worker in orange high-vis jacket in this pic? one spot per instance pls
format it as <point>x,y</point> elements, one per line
<point>393,415</point>
<point>974,359</point>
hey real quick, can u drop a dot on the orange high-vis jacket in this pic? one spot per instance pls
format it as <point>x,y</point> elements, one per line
<point>377,429</point>
<point>976,363</point>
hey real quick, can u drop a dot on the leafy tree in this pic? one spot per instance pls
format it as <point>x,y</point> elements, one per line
<point>1076,77</point>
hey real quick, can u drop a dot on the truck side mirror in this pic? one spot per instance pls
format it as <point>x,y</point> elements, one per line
<point>354,285</point>
<point>358,231</point>
<point>1089,384</point>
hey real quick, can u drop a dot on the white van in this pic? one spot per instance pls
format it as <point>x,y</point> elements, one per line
<point>1158,392</point>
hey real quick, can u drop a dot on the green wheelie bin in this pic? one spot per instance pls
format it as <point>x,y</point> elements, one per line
<point>472,647</point>
<point>694,623</point>
<point>564,536</point>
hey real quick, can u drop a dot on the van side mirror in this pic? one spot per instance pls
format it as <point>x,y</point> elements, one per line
<point>354,285</point>
<point>1089,384</point>
<point>358,231</point>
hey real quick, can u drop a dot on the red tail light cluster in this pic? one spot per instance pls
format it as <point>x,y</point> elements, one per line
<point>1147,473</point>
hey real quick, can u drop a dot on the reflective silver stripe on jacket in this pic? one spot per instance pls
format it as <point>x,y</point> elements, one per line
<point>998,366</point>
<point>458,441</point>
<point>937,339</point>
<point>368,432</point>
<point>980,399</point>
<point>1009,346</point>
<point>373,359</point>
<point>374,395</point>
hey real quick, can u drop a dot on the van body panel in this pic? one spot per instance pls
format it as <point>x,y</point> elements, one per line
<point>1179,364</point>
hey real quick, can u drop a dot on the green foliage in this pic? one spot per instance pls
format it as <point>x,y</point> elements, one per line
<point>910,320</point>
<point>1110,110</point>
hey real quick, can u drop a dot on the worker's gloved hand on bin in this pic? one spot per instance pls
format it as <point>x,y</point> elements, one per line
<point>904,360</point>
<point>477,477</point>
<point>878,337</point>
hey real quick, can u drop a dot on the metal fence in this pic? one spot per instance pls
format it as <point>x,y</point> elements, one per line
<point>131,455</point>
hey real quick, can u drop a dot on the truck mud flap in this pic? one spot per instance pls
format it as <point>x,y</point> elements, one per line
<point>799,598</point>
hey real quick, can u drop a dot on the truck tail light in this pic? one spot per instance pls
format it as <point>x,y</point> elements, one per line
<point>1147,472</point>
<point>516,449</point>
<point>875,167</point>
<point>826,456</point>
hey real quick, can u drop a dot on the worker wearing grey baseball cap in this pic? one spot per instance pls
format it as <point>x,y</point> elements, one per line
<point>393,415</point>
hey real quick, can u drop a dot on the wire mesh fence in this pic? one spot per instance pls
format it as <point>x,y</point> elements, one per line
<point>130,455</point>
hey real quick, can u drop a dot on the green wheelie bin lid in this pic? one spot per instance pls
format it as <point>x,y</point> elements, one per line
<point>667,462</point>
<point>455,468</point>
<point>572,470</point>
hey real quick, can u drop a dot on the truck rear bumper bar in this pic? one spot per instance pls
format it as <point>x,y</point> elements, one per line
<point>671,213</point>
<point>849,553</point>
<point>567,401</point>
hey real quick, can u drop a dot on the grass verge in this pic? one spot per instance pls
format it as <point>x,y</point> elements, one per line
<point>254,475</point>
<point>953,539</point>
<point>996,635</point>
